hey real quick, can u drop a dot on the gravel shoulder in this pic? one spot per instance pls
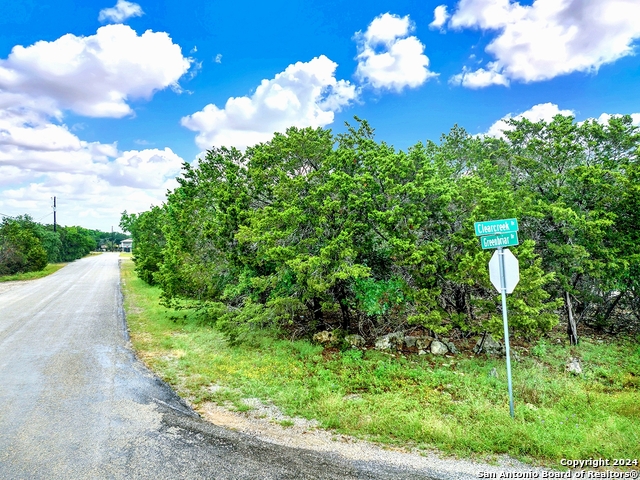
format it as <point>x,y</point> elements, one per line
<point>263,422</point>
<point>6,286</point>
<point>266,423</point>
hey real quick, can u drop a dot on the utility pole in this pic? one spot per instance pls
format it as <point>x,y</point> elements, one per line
<point>54,215</point>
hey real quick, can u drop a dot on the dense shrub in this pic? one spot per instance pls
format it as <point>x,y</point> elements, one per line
<point>20,248</point>
<point>311,230</point>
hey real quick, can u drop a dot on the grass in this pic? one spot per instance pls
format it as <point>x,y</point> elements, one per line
<point>48,270</point>
<point>449,403</point>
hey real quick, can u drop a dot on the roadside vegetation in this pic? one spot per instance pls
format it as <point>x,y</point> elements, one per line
<point>30,249</point>
<point>48,270</point>
<point>452,403</point>
<point>313,231</point>
<point>314,235</point>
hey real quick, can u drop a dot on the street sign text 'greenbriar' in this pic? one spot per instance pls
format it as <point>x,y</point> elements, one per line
<point>502,240</point>
<point>494,227</point>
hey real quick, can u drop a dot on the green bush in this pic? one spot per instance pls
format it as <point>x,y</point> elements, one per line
<point>20,249</point>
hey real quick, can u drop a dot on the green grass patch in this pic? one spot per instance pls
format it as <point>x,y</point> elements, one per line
<point>48,270</point>
<point>450,403</point>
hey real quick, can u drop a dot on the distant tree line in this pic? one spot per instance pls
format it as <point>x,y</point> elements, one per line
<point>28,246</point>
<point>313,230</point>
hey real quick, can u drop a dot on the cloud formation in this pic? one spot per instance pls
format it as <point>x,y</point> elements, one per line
<point>547,38</point>
<point>32,143</point>
<point>388,57</point>
<point>546,112</point>
<point>41,157</point>
<point>94,182</point>
<point>604,118</point>
<point>440,16</point>
<point>120,12</point>
<point>541,111</point>
<point>305,94</point>
<point>94,76</point>
<point>481,77</point>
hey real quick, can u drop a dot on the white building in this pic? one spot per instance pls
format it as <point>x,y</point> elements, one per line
<point>126,245</point>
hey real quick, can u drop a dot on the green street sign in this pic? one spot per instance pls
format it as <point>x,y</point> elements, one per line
<point>494,227</point>
<point>500,240</point>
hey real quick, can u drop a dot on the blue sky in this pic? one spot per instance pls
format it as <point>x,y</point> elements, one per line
<point>100,102</point>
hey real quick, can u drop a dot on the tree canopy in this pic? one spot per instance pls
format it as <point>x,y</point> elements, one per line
<point>26,245</point>
<point>314,230</point>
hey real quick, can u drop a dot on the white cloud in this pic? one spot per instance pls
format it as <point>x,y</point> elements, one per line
<point>304,94</point>
<point>120,12</point>
<point>218,58</point>
<point>548,38</point>
<point>83,200</point>
<point>440,16</point>
<point>546,112</point>
<point>388,58</point>
<point>605,117</point>
<point>94,182</point>
<point>41,157</point>
<point>141,169</point>
<point>542,111</point>
<point>93,76</point>
<point>480,78</point>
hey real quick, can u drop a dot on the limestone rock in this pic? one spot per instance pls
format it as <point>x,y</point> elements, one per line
<point>410,341</point>
<point>490,346</point>
<point>391,341</point>
<point>325,337</point>
<point>574,366</point>
<point>438,348</point>
<point>355,341</point>
<point>452,348</point>
<point>422,343</point>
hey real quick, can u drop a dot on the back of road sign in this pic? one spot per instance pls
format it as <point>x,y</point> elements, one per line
<point>511,270</point>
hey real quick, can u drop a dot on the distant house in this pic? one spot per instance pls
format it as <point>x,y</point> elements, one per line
<point>126,245</point>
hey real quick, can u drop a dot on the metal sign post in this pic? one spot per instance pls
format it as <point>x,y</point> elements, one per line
<point>499,234</point>
<point>503,292</point>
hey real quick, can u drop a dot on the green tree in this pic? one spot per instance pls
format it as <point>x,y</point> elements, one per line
<point>148,241</point>
<point>312,230</point>
<point>570,177</point>
<point>76,243</point>
<point>20,248</point>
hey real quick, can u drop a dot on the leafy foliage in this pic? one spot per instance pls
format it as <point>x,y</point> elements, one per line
<point>148,241</point>
<point>28,246</point>
<point>20,248</point>
<point>313,230</point>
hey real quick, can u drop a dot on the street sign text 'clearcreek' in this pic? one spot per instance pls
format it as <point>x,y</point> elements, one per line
<point>494,227</point>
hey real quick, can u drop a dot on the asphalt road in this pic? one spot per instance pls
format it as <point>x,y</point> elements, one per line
<point>76,404</point>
